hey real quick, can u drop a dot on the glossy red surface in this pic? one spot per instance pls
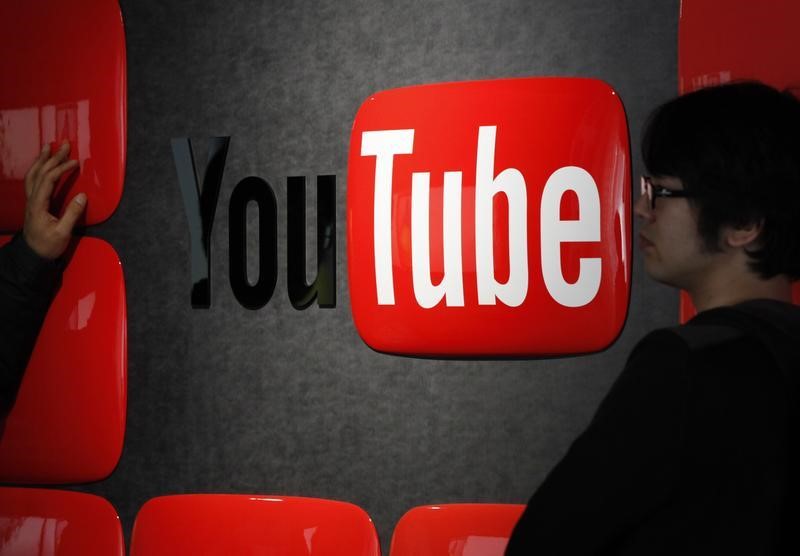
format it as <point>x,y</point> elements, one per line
<point>68,422</point>
<point>724,40</point>
<point>245,525</point>
<point>64,77</point>
<point>46,522</point>
<point>686,309</point>
<point>540,127</point>
<point>455,530</point>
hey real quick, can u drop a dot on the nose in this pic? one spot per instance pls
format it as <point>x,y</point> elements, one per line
<point>641,208</point>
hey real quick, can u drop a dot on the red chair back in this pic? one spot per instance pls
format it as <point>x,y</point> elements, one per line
<point>67,424</point>
<point>81,98</point>
<point>455,530</point>
<point>244,525</point>
<point>58,523</point>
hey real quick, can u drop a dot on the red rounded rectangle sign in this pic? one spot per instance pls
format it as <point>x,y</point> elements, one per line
<point>490,218</point>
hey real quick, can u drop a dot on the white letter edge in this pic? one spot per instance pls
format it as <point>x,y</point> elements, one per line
<point>554,231</point>
<point>383,145</point>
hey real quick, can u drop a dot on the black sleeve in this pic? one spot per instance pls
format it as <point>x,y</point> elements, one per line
<point>27,284</point>
<point>622,467</point>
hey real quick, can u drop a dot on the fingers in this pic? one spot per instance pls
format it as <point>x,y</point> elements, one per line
<point>56,159</point>
<point>71,214</point>
<point>43,164</point>
<point>47,182</point>
<point>33,172</point>
<point>43,232</point>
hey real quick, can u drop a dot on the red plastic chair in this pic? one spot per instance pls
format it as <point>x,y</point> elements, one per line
<point>67,424</point>
<point>455,530</point>
<point>58,523</point>
<point>245,525</point>
<point>81,98</point>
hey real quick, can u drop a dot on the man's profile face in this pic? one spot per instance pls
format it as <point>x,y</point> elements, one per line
<point>669,240</point>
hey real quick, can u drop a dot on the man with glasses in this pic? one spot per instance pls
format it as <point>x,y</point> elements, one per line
<point>694,449</point>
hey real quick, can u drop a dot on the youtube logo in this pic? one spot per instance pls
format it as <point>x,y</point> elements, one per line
<point>490,218</point>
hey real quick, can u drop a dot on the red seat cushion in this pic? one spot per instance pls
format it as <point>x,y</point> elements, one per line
<point>68,421</point>
<point>58,523</point>
<point>455,530</point>
<point>241,525</point>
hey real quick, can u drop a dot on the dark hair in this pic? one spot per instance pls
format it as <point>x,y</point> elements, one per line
<point>737,147</point>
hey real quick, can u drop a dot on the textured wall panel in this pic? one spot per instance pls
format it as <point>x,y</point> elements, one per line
<point>292,402</point>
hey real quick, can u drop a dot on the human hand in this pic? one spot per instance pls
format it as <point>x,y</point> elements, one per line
<point>47,235</point>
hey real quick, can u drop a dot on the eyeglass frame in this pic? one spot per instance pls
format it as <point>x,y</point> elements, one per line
<point>653,191</point>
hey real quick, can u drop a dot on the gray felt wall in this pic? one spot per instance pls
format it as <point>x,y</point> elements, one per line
<point>282,401</point>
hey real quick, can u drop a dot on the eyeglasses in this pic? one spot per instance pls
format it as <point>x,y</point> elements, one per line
<point>652,192</point>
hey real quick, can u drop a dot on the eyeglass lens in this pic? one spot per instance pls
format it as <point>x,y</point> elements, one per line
<point>647,191</point>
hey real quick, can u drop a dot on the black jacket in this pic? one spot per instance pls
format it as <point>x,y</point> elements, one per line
<point>27,284</point>
<point>691,452</point>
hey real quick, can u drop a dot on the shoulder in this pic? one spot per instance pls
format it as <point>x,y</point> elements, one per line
<point>730,376</point>
<point>655,378</point>
<point>664,342</point>
<point>658,358</point>
<point>698,351</point>
<point>688,342</point>
<point>663,365</point>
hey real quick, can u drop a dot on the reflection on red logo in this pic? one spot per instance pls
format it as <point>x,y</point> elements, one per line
<point>490,218</point>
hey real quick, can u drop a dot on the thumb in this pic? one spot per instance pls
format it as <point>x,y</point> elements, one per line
<point>72,213</point>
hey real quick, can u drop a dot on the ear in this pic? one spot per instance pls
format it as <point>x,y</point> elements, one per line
<point>744,236</point>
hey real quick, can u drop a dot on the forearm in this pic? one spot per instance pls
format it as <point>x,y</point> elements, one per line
<point>27,284</point>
